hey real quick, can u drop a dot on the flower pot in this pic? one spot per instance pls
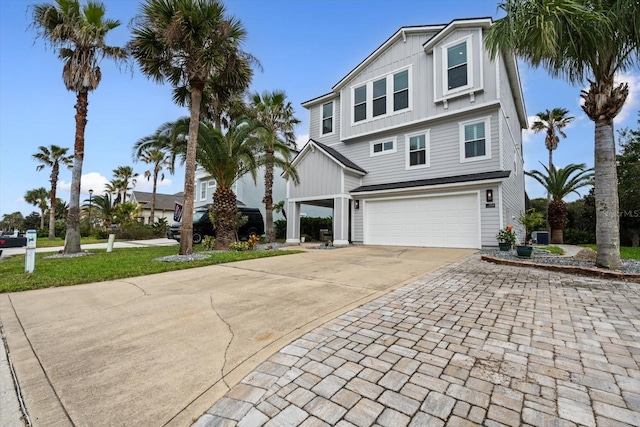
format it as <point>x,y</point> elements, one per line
<point>504,246</point>
<point>524,251</point>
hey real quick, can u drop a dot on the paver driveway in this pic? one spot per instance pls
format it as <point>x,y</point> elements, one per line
<point>471,344</point>
<point>160,349</point>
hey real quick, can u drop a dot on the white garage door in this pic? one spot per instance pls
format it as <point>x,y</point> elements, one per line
<point>443,221</point>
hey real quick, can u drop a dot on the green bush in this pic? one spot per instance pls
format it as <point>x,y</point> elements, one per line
<point>311,226</point>
<point>160,227</point>
<point>100,234</point>
<point>134,230</point>
<point>43,232</point>
<point>280,228</point>
<point>239,246</point>
<point>61,228</point>
<point>209,243</point>
<point>578,237</point>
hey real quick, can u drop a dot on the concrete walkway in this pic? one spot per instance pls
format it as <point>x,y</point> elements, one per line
<point>471,344</point>
<point>161,349</point>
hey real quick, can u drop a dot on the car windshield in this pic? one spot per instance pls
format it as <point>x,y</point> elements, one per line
<point>198,215</point>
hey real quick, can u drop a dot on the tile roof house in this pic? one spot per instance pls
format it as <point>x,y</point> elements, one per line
<point>419,145</point>
<point>165,203</point>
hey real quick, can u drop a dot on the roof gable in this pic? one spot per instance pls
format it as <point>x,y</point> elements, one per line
<point>331,153</point>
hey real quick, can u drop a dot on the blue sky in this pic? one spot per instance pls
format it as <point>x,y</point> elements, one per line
<point>304,46</point>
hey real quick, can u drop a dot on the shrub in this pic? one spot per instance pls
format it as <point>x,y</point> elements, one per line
<point>134,230</point>
<point>209,243</point>
<point>100,234</point>
<point>578,237</point>
<point>311,226</point>
<point>281,228</point>
<point>61,228</point>
<point>252,242</point>
<point>160,227</point>
<point>239,246</point>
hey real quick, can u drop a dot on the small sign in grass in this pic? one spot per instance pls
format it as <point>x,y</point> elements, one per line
<point>101,266</point>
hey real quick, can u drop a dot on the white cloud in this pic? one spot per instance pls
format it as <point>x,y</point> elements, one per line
<point>633,100</point>
<point>301,140</point>
<point>147,185</point>
<point>90,181</point>
<point>528,133</point>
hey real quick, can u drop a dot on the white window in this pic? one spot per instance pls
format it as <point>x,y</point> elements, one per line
<point>212,183</point>
<point>327,118</point>
<point>360,104</point>
<point>457,66</point>
<point>383,96</point>
<point>475,140</point>
<point>383,147</point>
<point>417,150</point>
<point>203,190</point>
<point>380,97</point>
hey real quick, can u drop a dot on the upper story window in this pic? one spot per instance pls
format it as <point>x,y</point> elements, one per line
<point>475,140</point>
<point>212,183</point>
<point>327,118</point>
<point>203,190</point>
<point>383,147</point>
<point>381,97</point>
<point>457,66</point>
<point>417,155</point>
<point>401,90</point>
<point>360,103</point>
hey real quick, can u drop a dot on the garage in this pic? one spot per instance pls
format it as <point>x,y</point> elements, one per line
<point>451,221</point>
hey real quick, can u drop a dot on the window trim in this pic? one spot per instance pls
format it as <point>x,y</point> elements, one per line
<point>322,118</point>
<point>211,183</point>
<point>389,94</point>
<point>427,149</point>
<point>367,103</point>
<point>394,149</point>
<point>445,66</point>
<point>487,139</point>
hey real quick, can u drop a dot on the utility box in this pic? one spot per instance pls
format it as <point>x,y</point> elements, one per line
<point>540,237</point>
<point>30,255</point>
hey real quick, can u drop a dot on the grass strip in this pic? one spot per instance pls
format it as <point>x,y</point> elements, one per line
<point>102,266</point>
<point>626,252</point>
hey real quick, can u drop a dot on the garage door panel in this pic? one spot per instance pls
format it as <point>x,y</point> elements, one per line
<point>441,221</point>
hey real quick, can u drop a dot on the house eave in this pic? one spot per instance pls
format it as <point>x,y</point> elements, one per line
<point>484,23</point>
<point>320,99</point>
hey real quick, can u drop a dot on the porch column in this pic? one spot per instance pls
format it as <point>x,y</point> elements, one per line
<point>293,223</point>
<point>341,221</point>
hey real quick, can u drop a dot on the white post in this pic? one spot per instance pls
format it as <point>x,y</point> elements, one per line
<point>112,238</point>
<point>30,255</point>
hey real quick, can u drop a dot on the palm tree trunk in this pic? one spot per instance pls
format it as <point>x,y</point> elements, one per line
<point>52,208</point>
<point>153,197</point>
<point>606,196</point>
<point>548,192</point>
<point>72,237</point>
<point>270,235</point>
<point>186,241</point>
<point>224,211</point>
<point>557,236</point>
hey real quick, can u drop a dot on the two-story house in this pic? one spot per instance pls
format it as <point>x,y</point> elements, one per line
<point>419,145</point>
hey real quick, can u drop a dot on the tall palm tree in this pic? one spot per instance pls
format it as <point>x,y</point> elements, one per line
<point>114,187</point>
<point>104,204</point>
<point>552,122</point>
<point>276,117</point>
<point>185,42</point>
<point>38,197</point>
<point>125,176</point>
<point>560,182</point>
<point>78,34</point>
<point>227,158</point>
<point>158,159</point>
<point>580,41</point>
<point>53,156</point>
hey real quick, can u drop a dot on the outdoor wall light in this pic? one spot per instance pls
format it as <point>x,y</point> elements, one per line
<point>489,196</point>
<point>356,204</point>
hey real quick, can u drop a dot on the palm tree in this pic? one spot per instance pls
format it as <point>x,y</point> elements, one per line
<point>581,40</point>
<point>53,156</point>
<point>159,159</point>
<point>275,115</point>
<point>552,122</point>
<point>113,187</point>
<point>227,158</point>
<point>185,42</point>
<point>560,183</point>
<point>124,176</point>
<point>78,34</point>
<point>279,207</point>
<point>38,197</point>
<point>104,204</point>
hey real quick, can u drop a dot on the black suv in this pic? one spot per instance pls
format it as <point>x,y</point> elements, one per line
<point>202,225</point>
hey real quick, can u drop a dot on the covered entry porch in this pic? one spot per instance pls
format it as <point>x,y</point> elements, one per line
<point>340,230</point>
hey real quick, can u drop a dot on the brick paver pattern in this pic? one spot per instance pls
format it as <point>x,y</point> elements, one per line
<point>471,344</point>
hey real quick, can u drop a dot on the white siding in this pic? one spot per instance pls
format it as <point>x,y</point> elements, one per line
<point>320,176</point>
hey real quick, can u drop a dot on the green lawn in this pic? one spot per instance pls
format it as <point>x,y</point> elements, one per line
<point>553,249</point>
<point>44,242</point>
<point>103,266</point>
<point>626,252</point>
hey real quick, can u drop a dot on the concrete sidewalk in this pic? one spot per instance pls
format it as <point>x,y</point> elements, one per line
<point>160,349</point>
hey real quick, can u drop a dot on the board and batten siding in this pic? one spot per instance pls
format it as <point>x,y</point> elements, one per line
<point>319,175</point>
<point>443,147</point>
<point>315,123</point>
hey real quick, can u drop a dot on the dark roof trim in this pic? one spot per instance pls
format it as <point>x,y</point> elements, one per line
<point>433,181</point>
<point>339,157</point>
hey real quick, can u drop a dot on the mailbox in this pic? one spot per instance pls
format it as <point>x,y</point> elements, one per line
<point>31,236</point>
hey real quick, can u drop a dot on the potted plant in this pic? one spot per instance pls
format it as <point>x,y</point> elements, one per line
<point>530,219</point>
<point>506,238</point>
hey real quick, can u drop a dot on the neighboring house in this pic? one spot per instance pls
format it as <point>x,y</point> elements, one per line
<point>419,145</point>
<point>250,193</point>
<point>165,203</point>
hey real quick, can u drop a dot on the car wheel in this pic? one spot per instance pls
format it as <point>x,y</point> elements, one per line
<point>197,238</point>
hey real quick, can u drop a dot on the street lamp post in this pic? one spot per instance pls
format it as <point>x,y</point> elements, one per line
<point>90,195</point>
